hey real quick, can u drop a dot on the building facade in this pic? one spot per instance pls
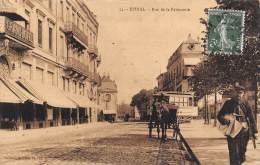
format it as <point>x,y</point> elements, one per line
<point>180,65</point>
<point>108,98</point>
<point>48,63</point>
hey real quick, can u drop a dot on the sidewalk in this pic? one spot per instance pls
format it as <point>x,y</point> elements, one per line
<point>13,137</point>
<point>210,145</point>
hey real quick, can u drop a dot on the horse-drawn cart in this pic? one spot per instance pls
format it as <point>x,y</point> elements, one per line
<point>167,112</point>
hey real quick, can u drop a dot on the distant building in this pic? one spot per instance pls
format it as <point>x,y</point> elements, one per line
<point>48,63</point>
<point>108,98</point>
<point>180,65</point>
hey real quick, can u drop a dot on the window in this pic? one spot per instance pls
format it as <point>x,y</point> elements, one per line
<point>78,22</point>
<point>61,10</point>
<point>67,14</point>
<point>90,38</point>
<point>50,4</point>
<point>81,89</point>
<point>27,72</point>
<point>68,84</point>
<point>62,47</point>
<point>75,87</point>
<point>50,78</point>
<point>73,17</point>
<point>40,33</point>
<point>27,23</point>
<point>82,27</point>
<point>63,83</point>
<point>39,75</point>
<point>50,39</point>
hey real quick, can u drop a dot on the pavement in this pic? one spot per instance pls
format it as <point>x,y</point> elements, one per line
<point>113,144</point>
<point>88,144</point>
<point>210,145</point>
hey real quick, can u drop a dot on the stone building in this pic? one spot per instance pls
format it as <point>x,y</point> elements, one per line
<point>48,63</point>
<point>180,65</point>
<point>108,98</point>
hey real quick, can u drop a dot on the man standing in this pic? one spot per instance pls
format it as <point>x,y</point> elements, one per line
<point>237,109</point>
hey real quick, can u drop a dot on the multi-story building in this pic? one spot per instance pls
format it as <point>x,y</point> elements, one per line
<point>180,65</point>
<point>48,63</point>
<point>108,98</point>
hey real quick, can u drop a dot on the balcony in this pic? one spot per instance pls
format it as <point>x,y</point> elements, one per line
<point>19,37</point>
<point>77,68</point>
<point>76,37</point>
<point>93,51</point>
<point>13,10</point>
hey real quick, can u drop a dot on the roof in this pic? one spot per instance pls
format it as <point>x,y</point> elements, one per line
<point>191,61</point>
<point>190,40</point>
<point>53,96</point>
<point>108,84</point>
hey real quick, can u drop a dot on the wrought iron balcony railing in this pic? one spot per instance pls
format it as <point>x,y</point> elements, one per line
<point>71,28</point>
<point>74,64</point>
<point>13,30</point>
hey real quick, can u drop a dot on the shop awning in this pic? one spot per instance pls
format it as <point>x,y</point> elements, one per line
<point>81,101</point>
<point>10,88</point>
<point>7,93</point>
<point>53,96</point>
<point>27,94</point>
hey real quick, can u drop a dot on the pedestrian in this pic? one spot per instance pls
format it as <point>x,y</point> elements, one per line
<point>234,113</point>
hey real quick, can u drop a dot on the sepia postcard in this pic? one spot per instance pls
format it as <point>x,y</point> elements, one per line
<point>129,82</point>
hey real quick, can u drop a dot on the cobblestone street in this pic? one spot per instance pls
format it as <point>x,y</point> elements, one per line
<point>113,144</point>
<point>99,143</point>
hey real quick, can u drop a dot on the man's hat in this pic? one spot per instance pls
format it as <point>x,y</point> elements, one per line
<point>239,87</point>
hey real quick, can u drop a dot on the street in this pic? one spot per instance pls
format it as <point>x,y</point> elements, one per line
<point>95,143</point>
<point>106,144</point>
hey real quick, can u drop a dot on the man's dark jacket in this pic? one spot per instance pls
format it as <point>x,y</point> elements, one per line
<point>230,107</point>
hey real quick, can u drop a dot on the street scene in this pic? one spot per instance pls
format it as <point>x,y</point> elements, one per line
<point>133,82</point>
<point>118,143</point>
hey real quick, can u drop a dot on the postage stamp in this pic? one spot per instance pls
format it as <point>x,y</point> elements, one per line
<point>225,31</point>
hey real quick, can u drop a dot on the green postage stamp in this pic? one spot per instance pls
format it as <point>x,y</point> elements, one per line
<point>225,31</point>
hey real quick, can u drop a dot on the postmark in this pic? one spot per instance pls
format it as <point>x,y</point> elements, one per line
<point>225,32</point>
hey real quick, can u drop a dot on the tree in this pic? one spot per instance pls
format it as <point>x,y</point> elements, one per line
<point>220,71</point>
<point>142,100</point>
<point>230,69</point>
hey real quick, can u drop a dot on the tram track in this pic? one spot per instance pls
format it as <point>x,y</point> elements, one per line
<point>176,152</point>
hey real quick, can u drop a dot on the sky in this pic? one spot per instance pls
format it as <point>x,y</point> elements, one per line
<point>135,45</point>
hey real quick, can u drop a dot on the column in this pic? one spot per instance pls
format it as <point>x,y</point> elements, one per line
<point>59,117</point>
<point>1,117</point>
<point>70,116</point>
<point>78,115</point>
<point>34,116</point>
<point>20,118</point>
<point>46,117</point>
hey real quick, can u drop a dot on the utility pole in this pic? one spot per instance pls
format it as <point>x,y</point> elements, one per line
<point>215,108</point>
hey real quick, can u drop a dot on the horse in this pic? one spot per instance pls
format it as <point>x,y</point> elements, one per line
<point>163,117</point>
